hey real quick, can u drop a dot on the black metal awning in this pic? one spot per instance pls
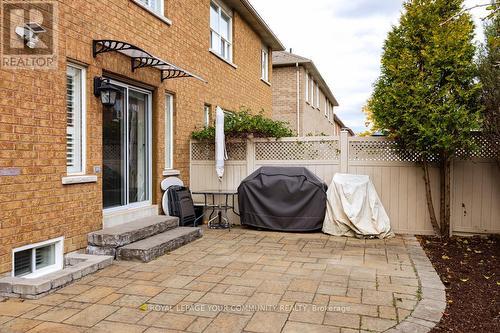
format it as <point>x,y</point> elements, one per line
<point>141,58</point>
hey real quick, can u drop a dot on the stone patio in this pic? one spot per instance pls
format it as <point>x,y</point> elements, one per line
<point>252,281</point>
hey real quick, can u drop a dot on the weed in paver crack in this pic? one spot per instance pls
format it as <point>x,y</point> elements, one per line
<point>419,292</point>
<point>395,306</point>
<point>419,289</point>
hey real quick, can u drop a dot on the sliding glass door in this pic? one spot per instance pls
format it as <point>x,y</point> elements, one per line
<point>127,149</point>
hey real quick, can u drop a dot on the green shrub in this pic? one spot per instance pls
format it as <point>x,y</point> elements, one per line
<point>242,124</point>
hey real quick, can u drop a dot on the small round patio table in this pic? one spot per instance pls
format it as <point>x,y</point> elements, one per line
<point>218,208</point>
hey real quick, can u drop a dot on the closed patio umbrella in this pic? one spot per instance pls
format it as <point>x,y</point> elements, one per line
<point>220,143</point>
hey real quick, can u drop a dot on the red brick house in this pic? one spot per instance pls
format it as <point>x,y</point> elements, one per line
<point>70,164</point>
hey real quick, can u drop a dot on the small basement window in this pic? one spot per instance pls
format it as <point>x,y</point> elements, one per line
<point>36,260</point>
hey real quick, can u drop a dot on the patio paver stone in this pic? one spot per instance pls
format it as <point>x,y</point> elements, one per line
<point>249,281</point>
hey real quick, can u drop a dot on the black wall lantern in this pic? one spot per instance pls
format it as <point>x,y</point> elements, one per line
<point>106,91</point>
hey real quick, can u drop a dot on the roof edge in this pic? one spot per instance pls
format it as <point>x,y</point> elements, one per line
<point>309,65</point>
<point>253,18</point>
<point>342,125</point>
<point>312,68</point>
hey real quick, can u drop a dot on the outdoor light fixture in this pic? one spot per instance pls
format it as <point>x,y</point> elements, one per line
<point>106,91</point>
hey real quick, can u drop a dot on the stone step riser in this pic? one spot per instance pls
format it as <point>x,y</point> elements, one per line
<point>101,251</point>
<point>180,236</point>
<point>105,241</point>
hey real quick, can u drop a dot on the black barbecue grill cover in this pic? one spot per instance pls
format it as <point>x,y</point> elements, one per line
<point>282,199</point>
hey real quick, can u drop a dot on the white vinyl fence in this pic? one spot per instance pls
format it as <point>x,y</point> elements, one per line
<point>397,177</point>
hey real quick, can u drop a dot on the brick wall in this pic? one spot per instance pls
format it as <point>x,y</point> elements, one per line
<point>35,206</point>
<point>285,96</point>
<point>312,120</point>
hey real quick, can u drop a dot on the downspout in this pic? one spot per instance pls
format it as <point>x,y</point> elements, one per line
<point>298,98</point>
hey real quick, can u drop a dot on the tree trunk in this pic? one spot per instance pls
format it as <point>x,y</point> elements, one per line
<point>446,196</point>
<point>428,195</point>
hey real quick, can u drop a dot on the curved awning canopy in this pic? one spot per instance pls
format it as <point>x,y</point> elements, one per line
<point>141,58</point>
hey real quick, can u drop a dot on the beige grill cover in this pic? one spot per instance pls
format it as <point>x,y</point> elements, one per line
<point>354,208</point>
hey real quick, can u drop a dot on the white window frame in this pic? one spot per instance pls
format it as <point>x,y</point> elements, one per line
<point>58,257</point>
<point>79,169</point>
<point>156,6</point>
<point>313,95</point>
<point>229,41</point>
<point>206,115</point>
<point>265,63</point>
<point>169,131</point>
<point>158,13</point>
<point>313,92</point>
<point>327,107</point>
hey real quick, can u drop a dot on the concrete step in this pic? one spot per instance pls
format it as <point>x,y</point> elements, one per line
<point>156,246</point>
<point>134,231</point>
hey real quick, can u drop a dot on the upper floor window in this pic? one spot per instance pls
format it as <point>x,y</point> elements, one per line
<point>75,121</point>
<point>265,64</point>
<point>206,115</point>
<point>327,108</point>
<point>154,5</point>
<point>307,87</point>
<point>313,91</point>
<point>221,31</point>
<point>317,95</point>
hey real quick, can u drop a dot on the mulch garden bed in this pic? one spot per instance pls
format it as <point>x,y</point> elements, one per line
<point>470,270</point>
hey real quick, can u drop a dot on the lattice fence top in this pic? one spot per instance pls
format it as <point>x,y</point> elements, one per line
<point>205,151</point>
<point>202,151</point>
<point>369,150</point>
<point>297,150</point>
<point>386,151</point>
<point>484,150</point>
<point>380,151</point>
<point>237,151</point>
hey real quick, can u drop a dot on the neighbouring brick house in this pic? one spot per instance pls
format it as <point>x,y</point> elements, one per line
<point>67,163</point>
<point>302,98</point>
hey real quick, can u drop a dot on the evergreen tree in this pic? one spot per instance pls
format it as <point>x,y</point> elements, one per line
<point>426,97</point>
<point>489,75</point>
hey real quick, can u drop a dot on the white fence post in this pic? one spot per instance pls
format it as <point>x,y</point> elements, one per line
<point>344,151</point>
<point>250,155</point>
